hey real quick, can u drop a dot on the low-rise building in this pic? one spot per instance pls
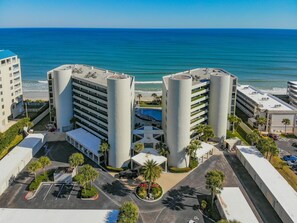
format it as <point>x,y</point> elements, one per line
<point>255,103</point>
<point>11,94</point>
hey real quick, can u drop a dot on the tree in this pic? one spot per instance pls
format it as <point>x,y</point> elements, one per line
<point>203,204</point>
<point>151,171</point>
<point>162,149</point>
<point>128,213</point>
<point>207,133</point>
<point>253,137</point>
<point>154,95</point>
<point>139,96</point>
<point>286,122</point>
<point>76,159</point>
<point>214,182</point>
<point>200,129</point>
<point>235,121</point>
<point>264,146</point>
<point>104,148</point>
<point>191,149</point>
<point>44,161</point>
<point>261,121</point>
<point>34,167</point>
<point>138,147</point>
<point>86,175</point>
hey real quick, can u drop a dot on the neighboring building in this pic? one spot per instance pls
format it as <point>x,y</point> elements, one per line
<point>190,98</point>
<point>279,193</point>
<point>232,205</point>
<point>100,101</point>
<point>255,103</point>
<point>11,95</point>
<point>292,92</point>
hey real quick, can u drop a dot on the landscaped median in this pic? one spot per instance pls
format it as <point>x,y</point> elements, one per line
<point>149,193</point>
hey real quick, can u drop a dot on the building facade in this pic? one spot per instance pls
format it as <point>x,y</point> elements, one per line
<point>191,98</point>
<point>255,103</point>
<point>11,94</point>
<point>97,100</point>
<point>292,92</point>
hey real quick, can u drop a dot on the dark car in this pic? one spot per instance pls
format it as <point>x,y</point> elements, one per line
<point>129,174</point>
<point>294,144</point>
<point>290,158</point>
<point>273,136</point>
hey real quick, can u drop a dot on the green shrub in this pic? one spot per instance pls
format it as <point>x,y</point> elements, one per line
<point>142,192</point>
<point>129,213</point>
<point>203,204</point>
<point>193,163</point>
<point>35,183</point>
<point>114,169</point>
<point>179,170</point>
<point>89,192</point>
<point>157,192</point>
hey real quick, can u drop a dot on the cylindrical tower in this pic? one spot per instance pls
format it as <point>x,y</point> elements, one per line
<point>178,118</point>
<point>219,104</point>
<point>63,98</point>
<point>119,119</point>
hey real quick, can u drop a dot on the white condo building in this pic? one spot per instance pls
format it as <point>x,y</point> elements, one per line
<point>101,101</point>
<point>190,98</point>
<point>292,92</point>
<point>11,95</point>
<point>255,103</point>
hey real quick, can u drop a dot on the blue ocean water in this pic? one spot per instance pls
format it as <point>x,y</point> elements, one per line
<point>264,58</point>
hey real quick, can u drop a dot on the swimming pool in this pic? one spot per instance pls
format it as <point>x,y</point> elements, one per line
<point>156,114</point>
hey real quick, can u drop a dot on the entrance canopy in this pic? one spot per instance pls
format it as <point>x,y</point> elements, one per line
<point>149,154</point>
<point>148,134</point>
<point>206,148</point>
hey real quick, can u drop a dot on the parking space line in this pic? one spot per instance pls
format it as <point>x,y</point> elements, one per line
<point>47,192</point>
<point>60,191</point>
<point>70,192</point>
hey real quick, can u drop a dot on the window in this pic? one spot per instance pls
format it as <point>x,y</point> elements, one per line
<point>2,62</point>
<point>2,106</point>
<point>9,68</point>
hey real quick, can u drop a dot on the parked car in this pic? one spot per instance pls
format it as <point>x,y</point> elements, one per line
<point>129,174</point>
<point>292,162</point>
<point>294,168</point>
<point>290,158</point>
<point>274,136</point>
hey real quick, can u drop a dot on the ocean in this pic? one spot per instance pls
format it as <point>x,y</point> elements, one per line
<point>264,58</point>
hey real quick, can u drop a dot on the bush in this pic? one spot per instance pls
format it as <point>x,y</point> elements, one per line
<point>128,213</point>
<point>203,204</point>
<point>89,192</point>
<point>156,192</point>
<point>114,169</point>
<point>193,163</point>
<point>35,183</point>
<point>142,192</point>
<point>179,170</point>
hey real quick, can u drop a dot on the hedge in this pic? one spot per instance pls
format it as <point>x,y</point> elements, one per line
<point>179,170</point>
<point>114,169</point>
<point>35,183</point>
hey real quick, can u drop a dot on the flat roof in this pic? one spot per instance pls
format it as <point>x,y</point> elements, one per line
<point>92,74</point>
<point>14,215</point>
<point>86,139</point>
<point>6,53</point>
<point>285,195</point>
<point>205,149</point>
<point>199,75</point>
<point>235,206</point>
<point>149,154</point>
<point>265,100</point>
<point>17,154</point>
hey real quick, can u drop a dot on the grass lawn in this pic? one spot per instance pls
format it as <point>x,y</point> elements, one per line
<point>230,134</point>
<point>146,104</point>
<point>16,141</point>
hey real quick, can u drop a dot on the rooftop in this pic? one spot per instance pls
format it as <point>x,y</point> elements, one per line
<point>92,74</point>
<point>264,100</point>
<point>86,139</point>
<point>14,215</point>
<point>198,75</point>
<point>6,53</point>
<point>235,206</point>
<point>285,195</point>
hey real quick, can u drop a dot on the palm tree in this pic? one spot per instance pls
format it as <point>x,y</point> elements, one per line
<point>207,133</point>
<point>273,151</point>
<point>264,146</point>
<point>86,175</point>
<point>138,147</point>
<point>44,161</point>
<point>104,148</point>
<point>76,159</point>
<point>253,137</point>
<point>139,96</point>
<point>214,182</point>
<point>200,129</point>
<point>34,167</point>
<point>235,121</point>
<point>154,95</point>
<point>151,171</point>
<point>261,121</point>
<point>162,149</point>
<point>286,122</point>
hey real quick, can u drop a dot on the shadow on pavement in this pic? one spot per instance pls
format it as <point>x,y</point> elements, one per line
<point>116,188</point>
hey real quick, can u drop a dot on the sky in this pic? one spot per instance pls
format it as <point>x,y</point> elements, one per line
<point>149,13</point>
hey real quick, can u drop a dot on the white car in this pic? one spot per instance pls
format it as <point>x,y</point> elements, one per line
<point>292,162</point>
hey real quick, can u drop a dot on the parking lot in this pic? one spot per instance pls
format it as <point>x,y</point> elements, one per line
<point>286,147</point>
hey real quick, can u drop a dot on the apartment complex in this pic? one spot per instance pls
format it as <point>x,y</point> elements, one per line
<point>11,95</point>
<point>292,92</point>
<point>255,103</point>
<point>99,101</point>
<point>190,98</point>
